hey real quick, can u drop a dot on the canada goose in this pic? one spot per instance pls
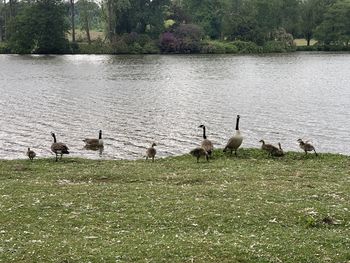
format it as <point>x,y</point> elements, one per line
<point>31,154</point>
<point>94,143</point>
<point>151,152</point>
<point>199,152</point>
<point>279,152</point>
<point>307,147</point>
<point>58,147</point>
<point>235,141</point>
<point>206,144</point>
<point>268,148</point>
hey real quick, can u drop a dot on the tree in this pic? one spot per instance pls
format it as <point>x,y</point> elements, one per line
<point>72,4</point>
<point>207,14</point>
<point>312,12</point>
<point>335,27</point>
<point>238,20</point>
<point>40,27</point>
<point>87,10</point>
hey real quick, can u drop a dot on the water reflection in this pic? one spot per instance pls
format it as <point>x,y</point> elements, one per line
<point>97,149</point>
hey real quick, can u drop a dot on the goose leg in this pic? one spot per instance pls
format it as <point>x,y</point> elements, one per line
<point>56,157</point>
<point>152,159</point>
<point>315,152</point>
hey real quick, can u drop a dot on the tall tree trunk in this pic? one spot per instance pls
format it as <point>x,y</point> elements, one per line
<point>5,21</point>
<point>308,38</point>
<point>73,22</point>
<point>110,26</point>
<point>10,10</point>
<point>87,29</point>
<point>1,33</point>
<point>109,17</point>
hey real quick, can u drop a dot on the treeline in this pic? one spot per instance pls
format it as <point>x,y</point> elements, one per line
<point>173,26</point>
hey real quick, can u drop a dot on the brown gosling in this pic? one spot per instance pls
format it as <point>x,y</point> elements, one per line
<point>199,152</point>
<point>206,144</point>
<point>58,147</point>
<point>31,154</point>
<point>268,147</point>
<point>279,152</point>
<point>235,142</point>
<point>151,152</point>
<point>94,143</point>
<point>307,147</point>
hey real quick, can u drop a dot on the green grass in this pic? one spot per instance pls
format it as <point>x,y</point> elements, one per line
<point>246,209</point>
<point>303,42</point>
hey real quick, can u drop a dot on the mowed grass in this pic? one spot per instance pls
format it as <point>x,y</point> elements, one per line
<point>246,209</point>
<point>303,42</point>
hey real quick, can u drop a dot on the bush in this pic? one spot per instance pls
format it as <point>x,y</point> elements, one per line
<point>74,48</point>
<point>307,48</point>
<point>277,47</point>
<point>217,47</point>
<point>168,43</point>
<point>135,48</point>
<point>4,49</point>
<point>335,48</point>
<point>247,47</point>
<point>120,47</point>
<point>150,48</point>
<point>94,48</point>
<point>188,45</point>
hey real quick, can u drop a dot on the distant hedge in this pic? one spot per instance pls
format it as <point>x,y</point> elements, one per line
<point>4,49</point>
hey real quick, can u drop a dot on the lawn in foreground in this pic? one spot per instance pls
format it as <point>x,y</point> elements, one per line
<point>246,209</point>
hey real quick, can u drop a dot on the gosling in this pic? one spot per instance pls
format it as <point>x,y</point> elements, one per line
<point>279,152</point>
<point>307,147</point>
<point>268,148</point>
<point>31,154</point>
<point>200,152</point>
<point>151,152</point>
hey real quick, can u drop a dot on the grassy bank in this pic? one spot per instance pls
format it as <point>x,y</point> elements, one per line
<point>246,209</point>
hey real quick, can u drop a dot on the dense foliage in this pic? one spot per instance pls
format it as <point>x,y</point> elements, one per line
<point>174,26</point>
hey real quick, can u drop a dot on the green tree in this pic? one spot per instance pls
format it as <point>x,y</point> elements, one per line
<point>238,20</point>
<point>312,13</point>
<point>40,27</point>
<point>208,14</point>
<point>141,16</point>
<point>88,14</point>
<point>335,27</point>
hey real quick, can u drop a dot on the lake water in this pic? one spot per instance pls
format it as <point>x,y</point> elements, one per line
<point>136,100</point>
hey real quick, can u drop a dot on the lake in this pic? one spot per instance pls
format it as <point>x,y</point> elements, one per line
<point>137,100</point>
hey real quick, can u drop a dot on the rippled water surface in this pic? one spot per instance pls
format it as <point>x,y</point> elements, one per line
<point>136,100</point>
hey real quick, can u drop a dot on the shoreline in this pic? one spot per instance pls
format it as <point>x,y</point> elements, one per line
<point>217,152</point>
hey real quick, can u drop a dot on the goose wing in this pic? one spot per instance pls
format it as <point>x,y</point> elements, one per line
<point>207,145</point>
<point>91,141</point>
<point>59,147</point>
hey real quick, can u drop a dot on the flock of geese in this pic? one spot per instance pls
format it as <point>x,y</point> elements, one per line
<point>204,150</point>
